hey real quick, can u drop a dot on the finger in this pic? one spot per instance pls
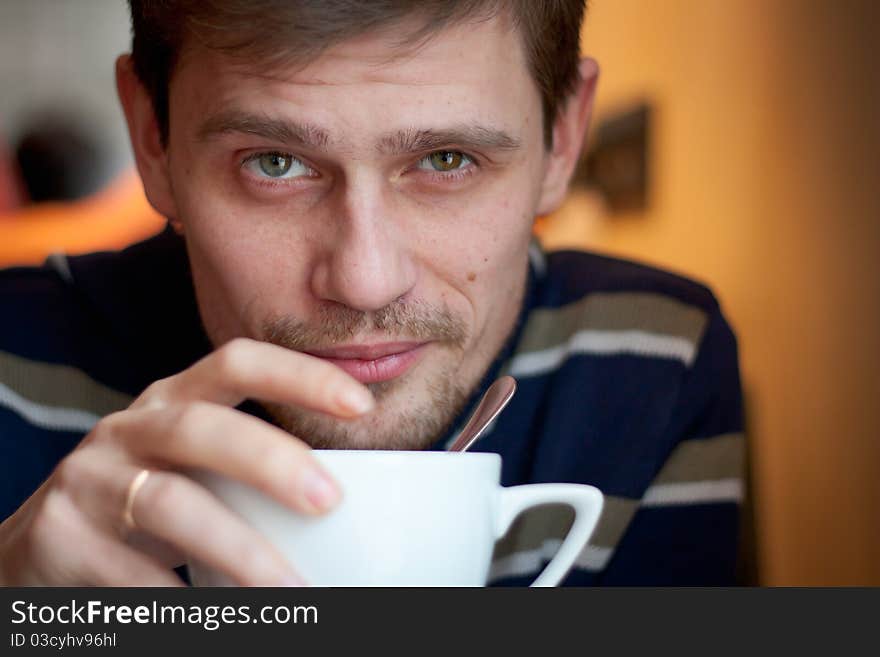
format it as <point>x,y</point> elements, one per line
<point>160,551</point>
<point>179,511</point>
<point>232,443</point>
<point>243,369</point>
<point>68,549</point>
<point>97,479</point>
<point>116,564</point>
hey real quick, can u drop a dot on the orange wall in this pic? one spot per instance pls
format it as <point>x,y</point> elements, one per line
<point>766,163</point>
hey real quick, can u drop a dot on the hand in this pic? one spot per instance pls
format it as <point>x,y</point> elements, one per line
<point>71,530</point>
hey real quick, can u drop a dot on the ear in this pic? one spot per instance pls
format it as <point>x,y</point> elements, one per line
<point>150,155</point>
<point>569,129</point>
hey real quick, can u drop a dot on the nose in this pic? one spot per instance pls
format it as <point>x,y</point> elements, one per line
<point>366,263</point>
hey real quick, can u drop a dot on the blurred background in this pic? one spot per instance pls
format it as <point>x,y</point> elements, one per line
<point>66,178</point>
<point>734,142</point>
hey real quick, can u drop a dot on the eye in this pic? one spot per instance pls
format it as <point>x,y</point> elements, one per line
<point>276,165</point>
<point>444,161</point>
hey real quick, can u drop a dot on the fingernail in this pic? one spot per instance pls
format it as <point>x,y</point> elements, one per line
<point>356,400</point>
<point>320,491</point>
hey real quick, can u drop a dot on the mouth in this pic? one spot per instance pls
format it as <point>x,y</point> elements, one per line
<point>374,363</point>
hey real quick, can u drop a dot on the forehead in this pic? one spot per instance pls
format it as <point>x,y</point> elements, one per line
<point>474,69</point>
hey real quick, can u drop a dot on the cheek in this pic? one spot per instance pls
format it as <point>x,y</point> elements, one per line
<point>242,242</point>
<point>243,269</point>
<point>492,237</point>
<point>480,256</point>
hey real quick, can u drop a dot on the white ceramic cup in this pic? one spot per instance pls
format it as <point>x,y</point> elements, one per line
<point>406,519</point>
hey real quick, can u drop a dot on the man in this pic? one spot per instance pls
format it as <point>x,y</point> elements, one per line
<point>350,188</point>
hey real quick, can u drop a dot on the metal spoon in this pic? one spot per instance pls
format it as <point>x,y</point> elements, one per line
<point>492,403</point>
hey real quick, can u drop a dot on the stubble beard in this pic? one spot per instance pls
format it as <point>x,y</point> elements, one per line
<point>410,414</point>
<point>398,423</point>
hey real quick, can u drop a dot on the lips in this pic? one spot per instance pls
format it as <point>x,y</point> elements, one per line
<point>373,363</point>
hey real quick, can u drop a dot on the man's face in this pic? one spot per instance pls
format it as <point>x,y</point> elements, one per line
<point>373,208</point>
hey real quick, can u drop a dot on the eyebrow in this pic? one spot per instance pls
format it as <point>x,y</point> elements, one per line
<point>466,136</point>
<point>279,130</point>
<point>306,135</point>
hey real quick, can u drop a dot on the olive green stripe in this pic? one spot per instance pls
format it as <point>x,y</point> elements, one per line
<point>59,386</point>
<point>616,516</point>
<point>534,527</point>
<point>623,311</point>
<point>709,459</point>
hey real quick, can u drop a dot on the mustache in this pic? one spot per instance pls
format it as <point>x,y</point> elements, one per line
<point>336,323</point>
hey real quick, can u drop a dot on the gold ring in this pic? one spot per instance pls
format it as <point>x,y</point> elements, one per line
<point>133,489</point>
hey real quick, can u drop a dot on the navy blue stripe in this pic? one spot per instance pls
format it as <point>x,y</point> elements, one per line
<point>688,545</point>
<point>28,454</point>
<point>573,274</point>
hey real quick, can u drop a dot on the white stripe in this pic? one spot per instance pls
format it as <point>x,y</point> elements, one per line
<point>49,417</point>
<point>525,562</point>
<point>694,492</point>
<point>538,259</point>
<point>528,562</point>
<point>593,558</point>
<point>638,343</point>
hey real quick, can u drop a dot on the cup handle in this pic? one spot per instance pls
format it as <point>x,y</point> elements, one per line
<point>587,503</point>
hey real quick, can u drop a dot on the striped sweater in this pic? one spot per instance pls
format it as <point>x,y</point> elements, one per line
<point>627,380</point>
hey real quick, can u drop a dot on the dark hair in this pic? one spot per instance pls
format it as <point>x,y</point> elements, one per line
<point>278,31</point>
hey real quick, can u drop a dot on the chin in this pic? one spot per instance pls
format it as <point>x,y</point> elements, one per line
<point>405,418</point>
